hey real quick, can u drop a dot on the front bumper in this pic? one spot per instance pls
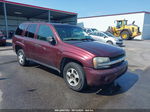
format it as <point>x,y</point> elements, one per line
<point>104,76</point>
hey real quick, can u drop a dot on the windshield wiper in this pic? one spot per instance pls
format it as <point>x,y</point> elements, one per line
<point>88,39</point>
<point>78,39</point>
<point>70,39</point>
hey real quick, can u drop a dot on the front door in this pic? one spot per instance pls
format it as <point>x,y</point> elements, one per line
<point>45,51</point>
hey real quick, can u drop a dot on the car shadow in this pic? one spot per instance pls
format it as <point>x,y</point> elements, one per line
<point>55,72</point>
<point>33,64</point>
<point>119,86</point>
<point>3,78</point>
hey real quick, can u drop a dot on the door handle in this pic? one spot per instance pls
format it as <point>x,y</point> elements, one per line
<point>37,45</point>
<point>44,48</point>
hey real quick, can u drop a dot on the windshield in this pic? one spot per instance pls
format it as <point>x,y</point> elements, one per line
<point>67,33</point>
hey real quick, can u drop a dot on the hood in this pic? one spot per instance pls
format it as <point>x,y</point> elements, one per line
<point>99,49</point>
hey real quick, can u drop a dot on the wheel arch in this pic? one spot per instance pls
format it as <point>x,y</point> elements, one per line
<point>66,60</point>
<point>17,47</point>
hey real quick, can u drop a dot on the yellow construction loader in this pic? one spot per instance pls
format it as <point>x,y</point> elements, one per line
<point>124,30</point>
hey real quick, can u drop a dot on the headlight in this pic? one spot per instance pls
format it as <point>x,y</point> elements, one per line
<point>99,61</point>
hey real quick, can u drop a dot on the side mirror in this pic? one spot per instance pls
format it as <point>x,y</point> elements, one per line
<point>51,40</point>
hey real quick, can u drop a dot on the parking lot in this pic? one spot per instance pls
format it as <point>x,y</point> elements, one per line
<point>38,87</point>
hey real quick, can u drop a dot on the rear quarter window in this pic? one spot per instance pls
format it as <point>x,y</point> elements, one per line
<point>20,29</point>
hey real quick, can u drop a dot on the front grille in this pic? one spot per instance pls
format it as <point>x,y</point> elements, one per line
<point>117,64</point>
<point>117,57</point>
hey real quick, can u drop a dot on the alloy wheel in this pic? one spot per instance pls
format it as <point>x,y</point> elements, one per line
<point>72,77</point>
<point>21,57</point>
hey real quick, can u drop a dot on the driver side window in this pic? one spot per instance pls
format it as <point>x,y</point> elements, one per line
<point>44,32</point>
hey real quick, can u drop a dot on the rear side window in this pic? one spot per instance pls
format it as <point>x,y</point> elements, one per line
<point>44,32</point>
<point>20,29</point>
<point>31,30</point>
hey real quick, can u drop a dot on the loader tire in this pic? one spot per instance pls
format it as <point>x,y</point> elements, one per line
<point>125,35</point>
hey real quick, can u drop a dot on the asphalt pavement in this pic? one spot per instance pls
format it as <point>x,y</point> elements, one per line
<point>38,87</point>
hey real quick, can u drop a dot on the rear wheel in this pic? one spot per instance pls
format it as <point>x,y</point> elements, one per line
<point>74,76</point>
<point>22,58</point>
<point>125,35</point>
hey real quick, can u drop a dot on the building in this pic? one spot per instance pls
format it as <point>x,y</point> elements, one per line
<point>142,19</point>
<point>12,14</point>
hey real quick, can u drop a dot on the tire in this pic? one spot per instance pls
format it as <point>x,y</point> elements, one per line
<point>74,76</point>
<point>125,35</point>
<point>110,42</point>
<point>22,58</point>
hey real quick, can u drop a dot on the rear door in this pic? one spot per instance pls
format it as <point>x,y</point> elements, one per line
<point>30,40</point>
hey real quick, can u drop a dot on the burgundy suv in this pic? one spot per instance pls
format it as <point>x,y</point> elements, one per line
<point>69,50</point>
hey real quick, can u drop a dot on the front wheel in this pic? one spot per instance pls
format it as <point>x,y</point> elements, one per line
<point>125,35</point>
<point>74,76</point>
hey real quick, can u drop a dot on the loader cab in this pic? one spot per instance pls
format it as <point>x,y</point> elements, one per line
<point>121,23</point>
